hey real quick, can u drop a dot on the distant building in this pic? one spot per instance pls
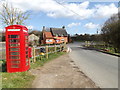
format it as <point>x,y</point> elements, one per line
<point>2,36</point>
<point>54,35</point>
<point>33,37</point>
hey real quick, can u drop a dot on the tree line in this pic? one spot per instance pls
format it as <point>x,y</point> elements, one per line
<point>110,33</point>
<point>86,37</point>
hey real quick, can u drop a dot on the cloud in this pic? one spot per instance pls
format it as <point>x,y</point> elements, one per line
<point>73,24</point>
<point>54,9</point>
<point>36,5</point>
<point>1,30</point>
<point>91,25</point>
<point>72,10</point>
<point>65,10</point>
<point>103,11</point>
<point>30,27</point>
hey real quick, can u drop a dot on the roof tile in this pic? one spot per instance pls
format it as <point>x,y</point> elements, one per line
<point>48,35</point>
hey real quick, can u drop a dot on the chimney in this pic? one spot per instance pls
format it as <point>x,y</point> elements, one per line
<point>43,27</point>
<point>63,27</point>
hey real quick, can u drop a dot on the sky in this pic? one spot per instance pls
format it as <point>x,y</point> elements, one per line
<point>78,16</point>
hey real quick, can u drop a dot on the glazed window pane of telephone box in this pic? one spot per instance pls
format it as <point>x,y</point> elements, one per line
<point>14,57</point>
<point>26,52</point>
<point>27,60</point>
<point>15,62</point>
<point>26,48</point>
<point>14,53</point>
<point>27,64</point>
<point>14,66</point>
<point>26,56</point>
<point>14,49</point>
<point>14,45</point>
<point>13,36</point>
<point>14,40</point>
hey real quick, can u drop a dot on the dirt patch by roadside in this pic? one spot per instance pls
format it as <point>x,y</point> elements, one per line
<point>61,73</point>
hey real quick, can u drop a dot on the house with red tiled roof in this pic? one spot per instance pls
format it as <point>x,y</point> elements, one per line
<point>54,35</point>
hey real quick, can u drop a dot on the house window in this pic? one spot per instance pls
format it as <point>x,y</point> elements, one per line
<point>62,40</point>
<point>58,40</point>
<point>56,35</point>
<point>49,40</point>
<point>62,35</point>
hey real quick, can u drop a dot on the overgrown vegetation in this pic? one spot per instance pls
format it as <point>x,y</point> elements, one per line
<point>111,32</point>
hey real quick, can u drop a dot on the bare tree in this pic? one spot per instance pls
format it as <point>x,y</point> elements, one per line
<point>111,32</point>
<point>10,15</point>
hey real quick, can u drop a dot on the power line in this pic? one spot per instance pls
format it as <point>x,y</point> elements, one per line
<point>69,9</point>
<point>66,7</point>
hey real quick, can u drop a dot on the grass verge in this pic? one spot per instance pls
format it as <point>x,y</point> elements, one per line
<point>17,80</point>
<point>44,60</point>
<point>24,79</point>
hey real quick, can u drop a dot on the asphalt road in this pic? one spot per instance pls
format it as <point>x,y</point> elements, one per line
<point>101,68</point>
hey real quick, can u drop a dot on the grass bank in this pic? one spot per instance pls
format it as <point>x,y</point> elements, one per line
<point>24,79</point>
<point>104,48</point>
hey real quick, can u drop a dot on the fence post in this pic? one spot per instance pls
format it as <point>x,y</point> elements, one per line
<point>46,51</point>
<point>40,57</point>
<point>86,43</point>
<point>55,48</point>
<point>64,46</point>
<point>60,47</point>
<point>34,59</point>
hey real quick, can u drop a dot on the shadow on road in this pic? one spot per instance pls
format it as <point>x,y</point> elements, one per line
<point>84,48</point>
<point>94,49</point>
<point>88,48</point>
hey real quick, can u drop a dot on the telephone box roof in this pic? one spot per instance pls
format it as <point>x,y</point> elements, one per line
<point>17,26</point>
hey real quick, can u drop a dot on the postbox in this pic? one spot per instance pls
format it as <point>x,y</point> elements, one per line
<point>30,52</point>
<point>17,49</point>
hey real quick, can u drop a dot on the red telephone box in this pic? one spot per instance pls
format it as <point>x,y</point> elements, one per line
<point>17,50</point>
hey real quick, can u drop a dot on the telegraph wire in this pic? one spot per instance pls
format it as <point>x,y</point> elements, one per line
<point>69,9</point>
<point>66,7</point>
<point>74,12</point>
